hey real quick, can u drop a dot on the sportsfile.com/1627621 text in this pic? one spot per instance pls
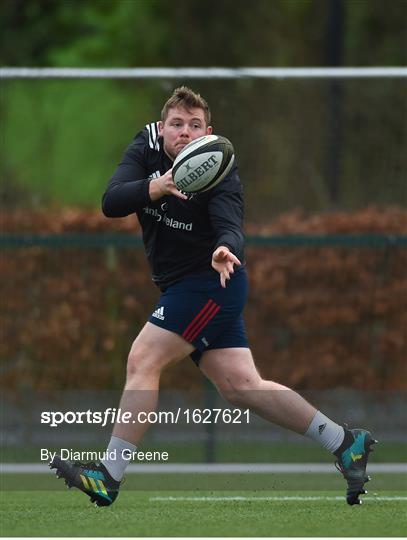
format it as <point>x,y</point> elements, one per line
<point>112,415</point>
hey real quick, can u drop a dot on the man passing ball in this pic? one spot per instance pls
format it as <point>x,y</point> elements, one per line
<point>194,244</point>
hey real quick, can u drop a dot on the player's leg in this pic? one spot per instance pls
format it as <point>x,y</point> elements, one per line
<point>233,372</point>
<point>153,350</point>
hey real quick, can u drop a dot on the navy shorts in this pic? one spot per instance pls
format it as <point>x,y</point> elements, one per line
<point>204,313</point>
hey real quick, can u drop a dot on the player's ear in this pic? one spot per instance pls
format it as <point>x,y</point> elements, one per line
<point>160,128</point>
<point>209,130</point>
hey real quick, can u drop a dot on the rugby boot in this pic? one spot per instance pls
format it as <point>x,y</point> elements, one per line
<point>353,456</point>
<point>91,478</point>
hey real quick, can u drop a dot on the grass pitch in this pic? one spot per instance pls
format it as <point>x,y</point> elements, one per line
<point>161,512</point>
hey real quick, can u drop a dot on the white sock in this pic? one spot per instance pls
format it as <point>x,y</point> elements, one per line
<point>115,462</point>
<point>323,431</point>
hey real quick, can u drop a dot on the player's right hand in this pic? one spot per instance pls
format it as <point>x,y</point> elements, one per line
<point>164,185</point>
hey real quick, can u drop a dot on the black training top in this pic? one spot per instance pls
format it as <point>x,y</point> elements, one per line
<point>179,236</point>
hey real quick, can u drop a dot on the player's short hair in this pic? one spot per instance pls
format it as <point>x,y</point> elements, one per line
<point>188,99</point>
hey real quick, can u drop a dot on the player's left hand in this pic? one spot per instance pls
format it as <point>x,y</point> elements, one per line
<point>223,262</point>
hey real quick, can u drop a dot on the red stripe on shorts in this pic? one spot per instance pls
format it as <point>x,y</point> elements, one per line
<point>190,331</point>
<point>196,319</point>
<point>203,322</point>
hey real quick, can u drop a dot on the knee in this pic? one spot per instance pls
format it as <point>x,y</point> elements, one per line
<point>234,396</point>
<point>239,390</point>
<point>142,361</point>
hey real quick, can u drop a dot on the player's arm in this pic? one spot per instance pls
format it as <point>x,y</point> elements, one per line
<point>226,214</point>
<point>128,189</point>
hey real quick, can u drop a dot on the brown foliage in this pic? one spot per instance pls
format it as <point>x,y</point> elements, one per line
<point>317,317</point>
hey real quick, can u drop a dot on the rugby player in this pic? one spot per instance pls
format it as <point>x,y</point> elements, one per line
<point>194,245</point>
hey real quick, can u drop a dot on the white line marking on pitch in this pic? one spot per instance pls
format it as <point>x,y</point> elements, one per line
<point>276,498</point>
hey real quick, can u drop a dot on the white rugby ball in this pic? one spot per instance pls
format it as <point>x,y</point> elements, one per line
<point>203,163</point>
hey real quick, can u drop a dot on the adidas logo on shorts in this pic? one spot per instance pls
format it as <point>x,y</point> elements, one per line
<point>159,313</point>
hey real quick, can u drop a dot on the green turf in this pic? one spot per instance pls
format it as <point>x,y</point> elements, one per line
<point>56,511</point>
<point>135,514</point>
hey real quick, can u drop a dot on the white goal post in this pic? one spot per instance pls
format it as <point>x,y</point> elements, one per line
<point>203,73</point>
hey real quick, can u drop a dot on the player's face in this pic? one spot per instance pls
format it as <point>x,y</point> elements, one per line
<point>181,127</point>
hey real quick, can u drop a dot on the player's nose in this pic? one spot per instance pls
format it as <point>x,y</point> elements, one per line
<point>185,131</point>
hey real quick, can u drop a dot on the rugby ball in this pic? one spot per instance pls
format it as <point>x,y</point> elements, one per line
<point>203,163</point>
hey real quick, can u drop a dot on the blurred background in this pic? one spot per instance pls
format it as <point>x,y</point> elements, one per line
<point>322,161</point>
<point>303,143</point>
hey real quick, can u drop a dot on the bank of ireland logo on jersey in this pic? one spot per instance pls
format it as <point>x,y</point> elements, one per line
<point>159,313</point>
